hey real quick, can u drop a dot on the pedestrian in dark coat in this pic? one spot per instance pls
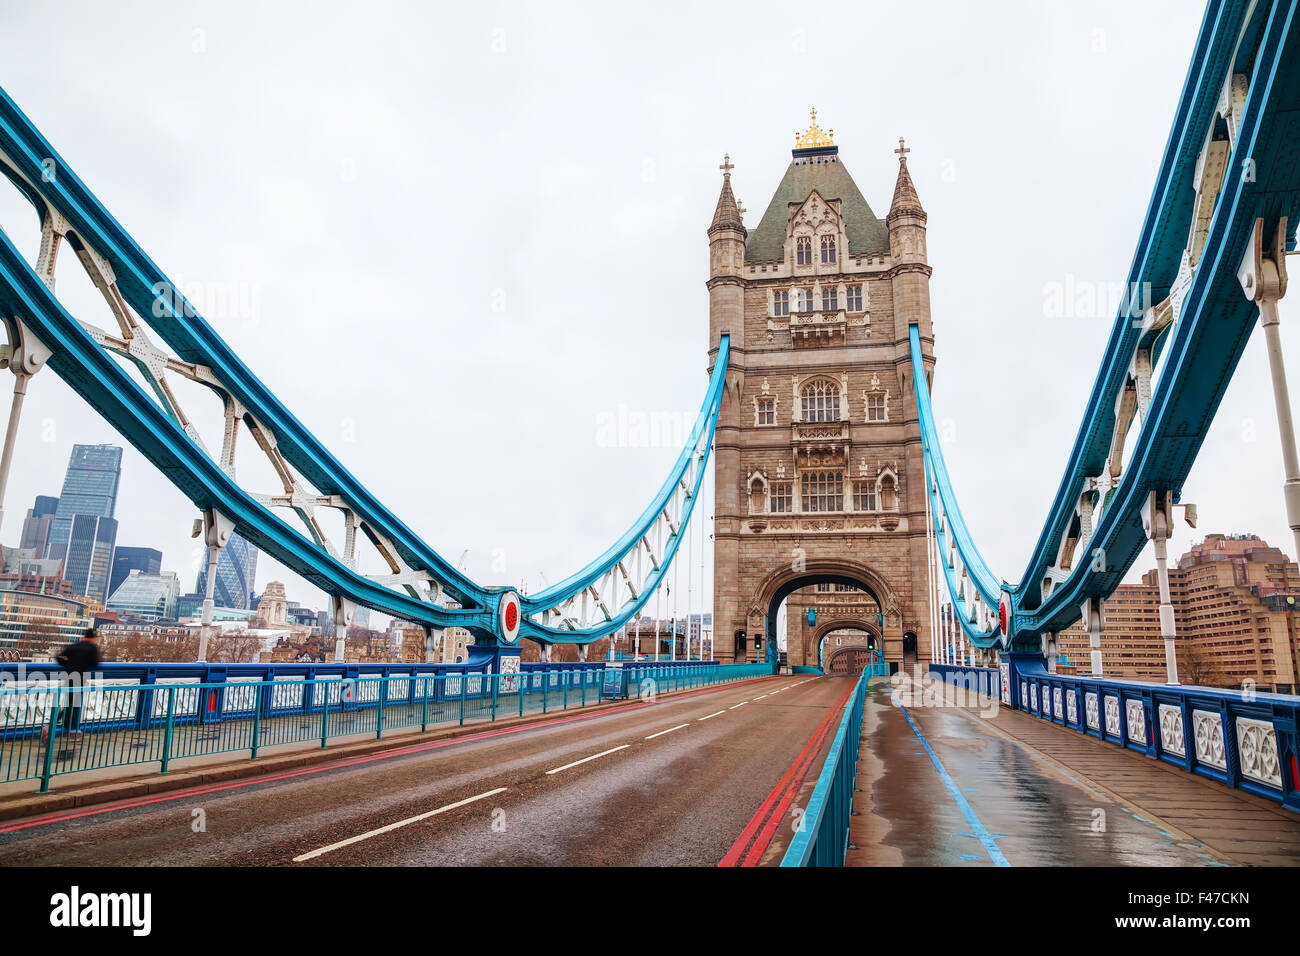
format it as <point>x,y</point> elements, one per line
<point>77,659</point>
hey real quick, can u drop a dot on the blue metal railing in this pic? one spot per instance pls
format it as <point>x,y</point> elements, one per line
<point>1242,739</point>
<point>48,729</point>
<point>823,835</point>
<point>150,671</point>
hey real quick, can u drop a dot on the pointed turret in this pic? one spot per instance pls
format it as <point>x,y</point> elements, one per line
<point>906,201</point>
<point>727,214</point>
<point>726,287</point>
<point>906,219</point>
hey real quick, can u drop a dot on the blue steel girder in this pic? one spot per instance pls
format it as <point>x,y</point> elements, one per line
<point>143,300</point>
<point>1155,263</point>
<point>1189,343</point>
<point>1207,340</point>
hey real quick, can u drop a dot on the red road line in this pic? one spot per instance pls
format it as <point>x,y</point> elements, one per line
<point>790,784</point>
<point>59,817</point>
<point>774,820</point>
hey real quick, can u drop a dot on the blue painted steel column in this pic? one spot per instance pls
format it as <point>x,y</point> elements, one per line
<point>167,732</point>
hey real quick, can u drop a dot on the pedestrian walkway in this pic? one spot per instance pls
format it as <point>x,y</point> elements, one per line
<point>985,785</point>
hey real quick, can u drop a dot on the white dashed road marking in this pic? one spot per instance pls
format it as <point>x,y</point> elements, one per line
<point>668,731</point>
<point>603,753</point>
<point>394,826</point>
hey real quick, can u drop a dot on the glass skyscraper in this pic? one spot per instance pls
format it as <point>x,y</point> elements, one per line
<point>84,531</point>
<point>146,597</point>
<point>126,560</point>
<point>236,570</point>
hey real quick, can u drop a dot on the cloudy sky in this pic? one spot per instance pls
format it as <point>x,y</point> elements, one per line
<point>452,237</point>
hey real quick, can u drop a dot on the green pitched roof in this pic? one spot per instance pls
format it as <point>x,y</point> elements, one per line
<point>867,234</point>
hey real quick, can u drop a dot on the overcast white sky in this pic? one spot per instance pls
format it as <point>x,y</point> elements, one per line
<point>452,236</point>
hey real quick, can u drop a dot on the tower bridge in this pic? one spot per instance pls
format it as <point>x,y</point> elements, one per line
<point>818,459</point>
<point>831,498</point>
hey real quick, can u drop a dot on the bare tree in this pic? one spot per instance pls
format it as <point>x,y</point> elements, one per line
<point>237,648</point>
<point>147,647</point>
<point>1196,665</point>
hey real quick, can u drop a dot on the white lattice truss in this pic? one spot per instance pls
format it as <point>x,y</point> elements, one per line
<point>974,610</point>
<point>130,339</point>
<point>641,565</point>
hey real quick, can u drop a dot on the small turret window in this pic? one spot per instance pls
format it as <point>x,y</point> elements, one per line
<point>803,251</point>
<point>854,297</point>
<point>830,300</point>
<point>780,303</point>
<point>828,248</point>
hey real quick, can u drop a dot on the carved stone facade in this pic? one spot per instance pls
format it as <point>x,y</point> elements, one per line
<point>273,608</point>
<point>819,476</point>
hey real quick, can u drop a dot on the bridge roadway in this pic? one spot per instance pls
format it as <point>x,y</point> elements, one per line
<point>673,782</point>
<point>708,777</point>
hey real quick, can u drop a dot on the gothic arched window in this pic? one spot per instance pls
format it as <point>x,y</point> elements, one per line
<point>820,401</point>
<point>803,251</point>
<point>828,248</point>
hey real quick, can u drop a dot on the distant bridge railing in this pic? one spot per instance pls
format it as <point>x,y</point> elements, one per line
<point>1242,739</point>
<point>148,672</point>
<point>983,680</point>
<point>48,729</point>
<point>823,835</point>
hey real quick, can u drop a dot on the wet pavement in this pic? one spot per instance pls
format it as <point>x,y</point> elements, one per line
<point>981,786</point>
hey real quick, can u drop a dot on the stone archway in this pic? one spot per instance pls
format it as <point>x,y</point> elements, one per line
<point>832,625</point>
<point>848,661</point>
<point>838,639</point>
<point>785,581</point>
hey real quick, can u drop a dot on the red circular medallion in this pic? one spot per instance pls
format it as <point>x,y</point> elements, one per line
<point>510,616</point>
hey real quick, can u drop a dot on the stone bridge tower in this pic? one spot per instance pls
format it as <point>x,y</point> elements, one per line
<point>819,476</point>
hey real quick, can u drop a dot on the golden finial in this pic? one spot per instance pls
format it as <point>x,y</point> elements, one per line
<point>815,136</point>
